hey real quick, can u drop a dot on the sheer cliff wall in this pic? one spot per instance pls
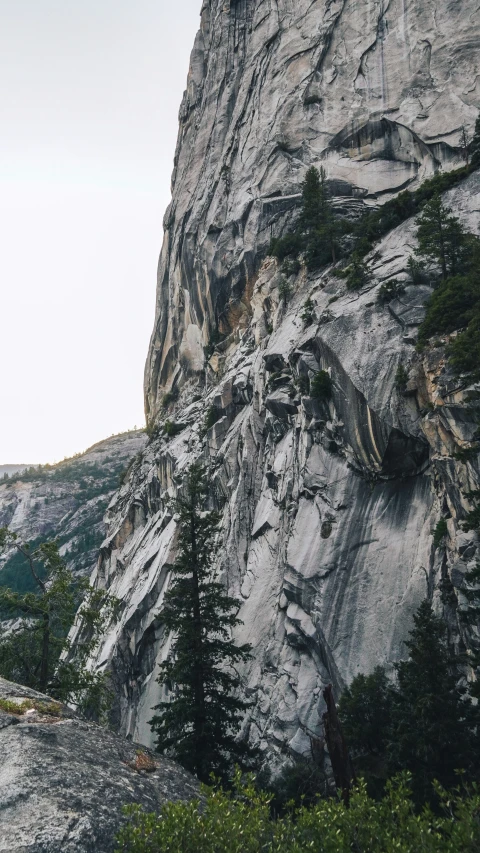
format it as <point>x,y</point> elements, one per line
<point>328,509</point>
<point>377,91</point>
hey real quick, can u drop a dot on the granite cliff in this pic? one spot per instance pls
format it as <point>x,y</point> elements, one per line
<point>328,508</point>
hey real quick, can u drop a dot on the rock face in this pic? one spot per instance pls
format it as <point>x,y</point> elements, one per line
<point>63,782</point>
<point>67,500</point>
<point>377,92</point>
<point>328,507</point>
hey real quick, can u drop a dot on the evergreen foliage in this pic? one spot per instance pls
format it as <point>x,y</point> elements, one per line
<point>424,723</point>
<point>321,386</point>
<point>308,312</point>
<point>241,822</point>
<point>441,236</point>
<point>318,225</point>
<point>401,378</point>
<point>475,146</point>
<point>198,724</point>
<point>357,274</point>
<point>455,305</point>
<point>35,650</point>
<point>440,532</point>
<point>319,230</point>
<point>390,290</point>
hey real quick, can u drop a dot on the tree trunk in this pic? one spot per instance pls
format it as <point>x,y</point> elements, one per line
<point>43,681</point>
<point>199,686</point>
<point>342,766</point>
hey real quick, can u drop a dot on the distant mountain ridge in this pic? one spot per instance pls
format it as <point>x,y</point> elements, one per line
<point>15,469</point>
<point>67,500</point>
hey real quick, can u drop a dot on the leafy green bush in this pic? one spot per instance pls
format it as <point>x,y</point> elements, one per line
<point>308,312</point>
<point>356,274</point>
<point>321,386</point>
<point>241,823</point>
<point>170,428</point>
<point>284,290</point>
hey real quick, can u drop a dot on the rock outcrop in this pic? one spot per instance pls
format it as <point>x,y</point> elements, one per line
<point>328,507</point>
<point>64,782</point>
<point>378,92</point>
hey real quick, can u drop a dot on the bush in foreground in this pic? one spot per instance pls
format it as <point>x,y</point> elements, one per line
<point>241,823</point>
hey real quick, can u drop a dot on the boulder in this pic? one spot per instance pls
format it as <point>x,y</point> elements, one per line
<point>64,781</point>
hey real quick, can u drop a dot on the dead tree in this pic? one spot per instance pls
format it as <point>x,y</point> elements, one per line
<point>342,765</point>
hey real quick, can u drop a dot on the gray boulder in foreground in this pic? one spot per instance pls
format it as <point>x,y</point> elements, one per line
<point>63,781</point>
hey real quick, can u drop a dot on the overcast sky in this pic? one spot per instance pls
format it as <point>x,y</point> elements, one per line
<point>89,98</point>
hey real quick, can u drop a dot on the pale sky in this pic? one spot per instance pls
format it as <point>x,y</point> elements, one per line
<point>89,98</point>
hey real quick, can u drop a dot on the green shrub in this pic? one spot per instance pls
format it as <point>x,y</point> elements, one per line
<point>284,290</point>
<point>213,414</point>
<point>291,266</point>
<point>464,350</point>
<point>308,312</point>
<point>241,823</point>
<point>401,377</point>
<point>170,428</point>
<point>416,269</point>
<point>390,290</point>
<point>357,274</point>
<point>285,247</point>
<point>169,398</point>
<point>321,386</point>
<point>440,532</point>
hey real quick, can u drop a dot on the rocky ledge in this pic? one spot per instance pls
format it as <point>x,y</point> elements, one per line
<point>64,781</point>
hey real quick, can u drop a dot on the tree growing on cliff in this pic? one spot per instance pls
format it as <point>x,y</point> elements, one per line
<point>199,722</point>
<point>35,649</point>
<point>475,145</point>
<point>317,221</point>
<point>441,236</point>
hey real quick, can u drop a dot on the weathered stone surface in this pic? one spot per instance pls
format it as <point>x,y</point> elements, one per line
<point>63,782</point>
<point>328,507</point>
<point>377,92</point>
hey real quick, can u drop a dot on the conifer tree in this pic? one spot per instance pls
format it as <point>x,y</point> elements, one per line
<point>317,220</point>
<point>475,145</point>
<point>441,236</point>
<point>37,651</point>
<point>424,723</point>
<point>434,728</point>
<point>199,722</point>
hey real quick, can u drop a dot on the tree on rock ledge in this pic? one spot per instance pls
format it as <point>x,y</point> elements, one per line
<point>199,723</point>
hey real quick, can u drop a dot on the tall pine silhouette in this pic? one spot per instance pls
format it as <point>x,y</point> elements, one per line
<point>317,222</point>
<point>199,722</point>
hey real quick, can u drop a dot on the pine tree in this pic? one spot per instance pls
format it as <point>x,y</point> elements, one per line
<point>317,221</point>
<point>475,146</point>
<point>199,722</point>
<point>441,236</point>
<point>434,730</point>
<point>37,651</point>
